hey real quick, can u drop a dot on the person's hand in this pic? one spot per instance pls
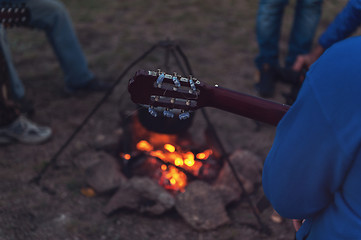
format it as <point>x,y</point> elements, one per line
<point>297,223</point>
<point>306,60</point>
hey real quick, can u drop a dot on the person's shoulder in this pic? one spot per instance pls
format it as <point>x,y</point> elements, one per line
<point>355,3</point>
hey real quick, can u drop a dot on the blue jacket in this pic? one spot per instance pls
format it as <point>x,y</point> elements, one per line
<point>344,24</point>
<point>313,170</point>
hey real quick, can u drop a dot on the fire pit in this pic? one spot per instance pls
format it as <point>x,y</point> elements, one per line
<point>153,173</point>
<point>171,159</point>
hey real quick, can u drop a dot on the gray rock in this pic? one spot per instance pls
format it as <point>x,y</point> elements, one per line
<point>201,206</point>
<point>248,167</point>
<point>104,175</point>
<point>141,194</point>
<point>227,194</point>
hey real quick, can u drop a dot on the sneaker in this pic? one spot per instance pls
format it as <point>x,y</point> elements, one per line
<point>266,85</point>
<point>24,131</point>
<point>95,85</point>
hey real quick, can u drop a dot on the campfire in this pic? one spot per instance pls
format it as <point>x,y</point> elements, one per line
<point>171,159</point>
<point>153,172</point>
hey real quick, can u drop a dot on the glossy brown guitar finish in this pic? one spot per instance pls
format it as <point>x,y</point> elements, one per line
<point>173,93</point>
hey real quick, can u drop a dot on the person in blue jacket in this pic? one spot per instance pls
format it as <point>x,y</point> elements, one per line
<point>345,23</point>
<point>312,171</point>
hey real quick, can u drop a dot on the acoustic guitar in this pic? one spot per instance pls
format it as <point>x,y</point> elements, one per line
<point>176,96</point>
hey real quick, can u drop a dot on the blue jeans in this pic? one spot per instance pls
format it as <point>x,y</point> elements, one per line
<point>269,21</point>
<point>52,17</point>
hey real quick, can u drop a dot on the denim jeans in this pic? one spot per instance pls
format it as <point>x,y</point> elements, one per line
<point>8,110</point>
<point>269,21</point>
<point>52,17</point>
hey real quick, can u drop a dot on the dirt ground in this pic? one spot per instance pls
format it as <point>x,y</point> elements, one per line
<point>220,43</point>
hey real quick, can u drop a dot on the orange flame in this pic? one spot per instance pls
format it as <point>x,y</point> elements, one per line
<point>172,177</point>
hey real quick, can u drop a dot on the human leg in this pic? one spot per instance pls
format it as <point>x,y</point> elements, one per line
<point>268,28</point>
<point>306,19</point>
<point>16,84</point>
<point>52,17</point>
<point>13,126</point>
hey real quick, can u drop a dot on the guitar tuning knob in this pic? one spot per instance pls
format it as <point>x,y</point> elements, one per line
<point>160,79</point>
<point>152,112</point>
<point>191,82</point>
<point>184,116</point>
<point>168,113</point>
<point>176,81</point>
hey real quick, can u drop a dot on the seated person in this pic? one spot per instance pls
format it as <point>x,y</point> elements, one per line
<point>52,17</point>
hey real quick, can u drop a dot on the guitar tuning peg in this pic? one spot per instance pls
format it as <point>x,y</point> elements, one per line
<point>184,116</point>
<point>160,79</point>
<point>191,82</point>
<point>176,81</point>
<point>152,112</point>
<point>168,113</point>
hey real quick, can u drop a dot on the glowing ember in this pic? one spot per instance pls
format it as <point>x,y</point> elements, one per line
<point>169,147</point>
<point>204,155</point>
<point>177,179</point>
<point>126,156</point>
<point>144,146</point>
<point>178,162</point>
<point>174,158</point>
<point>163,167</point>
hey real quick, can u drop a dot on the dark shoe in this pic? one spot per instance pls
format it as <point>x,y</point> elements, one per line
<point>25,106</point>
<point>95,85</point>
<point>267,79</point>
<point>290,76</point>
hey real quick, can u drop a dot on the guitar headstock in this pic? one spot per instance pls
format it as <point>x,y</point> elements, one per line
<point>169,94</point>
<point>14,15</point>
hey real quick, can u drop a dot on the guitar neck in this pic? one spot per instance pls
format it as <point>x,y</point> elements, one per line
<point>245,105</point>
